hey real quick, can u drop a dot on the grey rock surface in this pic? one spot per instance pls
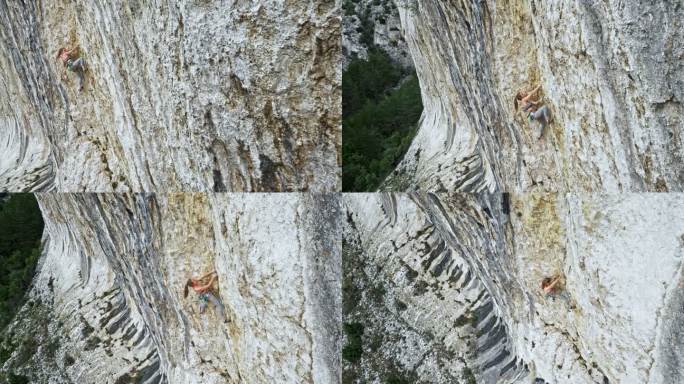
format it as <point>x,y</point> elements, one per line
<point>449,284</point>
<point>179,96</point>
<point>109,290</point>
<point>611,74</point>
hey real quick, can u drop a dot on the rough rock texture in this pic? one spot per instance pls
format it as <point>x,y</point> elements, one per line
<point>383,17</point>
<point>612,75</point>
<point>180,96</point>
<point>451,281</point>
<point>111,281</point>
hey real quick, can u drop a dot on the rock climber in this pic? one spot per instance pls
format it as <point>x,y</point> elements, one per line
<point>204,290</point>
<point>71,61</point>
<point>525,98</point>
<point>534,108</point>
<point>550,284</point>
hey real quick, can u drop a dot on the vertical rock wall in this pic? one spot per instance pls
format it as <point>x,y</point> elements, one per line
<point>114,270</point>
<point>439,263</point>
<point>460,279</point>
<point>611,74</point>
<point>180,96</point>
<point>618,318</point>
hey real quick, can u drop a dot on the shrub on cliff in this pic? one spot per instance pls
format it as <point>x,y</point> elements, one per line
<point>21,228</point>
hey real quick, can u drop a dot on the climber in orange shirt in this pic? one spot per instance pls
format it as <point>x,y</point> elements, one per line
<point>526,99</point>
<point>205,293</point>
<point>71,61</point>
<point>534,108</point>
<point>550,285</point>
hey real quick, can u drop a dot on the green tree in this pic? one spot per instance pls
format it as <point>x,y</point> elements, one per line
<point>354,349</point>
<point>21,228</point>
<point>368,80</point>
<point>379,120</point>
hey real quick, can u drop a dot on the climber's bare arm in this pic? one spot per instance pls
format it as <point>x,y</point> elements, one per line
<point>529,94</point>
<point>554,282</point>
<point>207,286</point>
<point>207,275</point>
<point>202,288</point>
<point>535,90</point>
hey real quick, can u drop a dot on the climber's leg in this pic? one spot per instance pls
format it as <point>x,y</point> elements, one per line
<point>542,116</point>
<point>203,299</point>
<point>547,115</point>
<point>219,306</point>
<point>565,296</point>
<point>78,67</point>
<point>81,80</point>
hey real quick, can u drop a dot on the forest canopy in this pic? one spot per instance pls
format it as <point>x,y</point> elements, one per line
<point>21,228</point>
<point>381,106</point>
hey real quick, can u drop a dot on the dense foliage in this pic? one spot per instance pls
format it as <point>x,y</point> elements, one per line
<point>21,228</point>
<point>354,349</point>
<point>379,120</point>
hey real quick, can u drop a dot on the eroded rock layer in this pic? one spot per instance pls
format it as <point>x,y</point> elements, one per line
<point>179,96</point>
<point>447,287</point>
<point>375,23</point>
<point>611,74</point>
<point>110,288</point>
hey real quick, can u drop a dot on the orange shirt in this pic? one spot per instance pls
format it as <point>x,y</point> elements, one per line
<point>197,287</point>
<point>65,55</point>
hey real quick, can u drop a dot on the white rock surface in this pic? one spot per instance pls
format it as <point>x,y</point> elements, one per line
<point>112,276</point>
<point>622,258</point>
<point>611,73</point>
<point>617,320</point>
<point>186,95</point>
<point>393,246</point>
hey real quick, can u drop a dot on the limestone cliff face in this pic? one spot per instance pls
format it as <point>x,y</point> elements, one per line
<point>611,73</point>
<point>110,290</point>
<point>449,285</point>
<point>180,96</point>
<point>382,16</point>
